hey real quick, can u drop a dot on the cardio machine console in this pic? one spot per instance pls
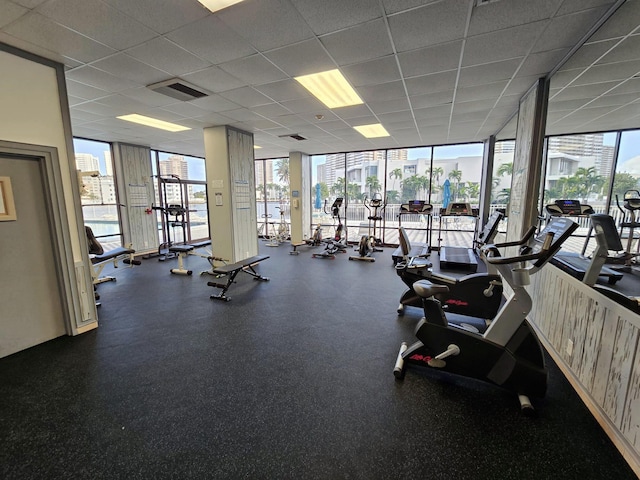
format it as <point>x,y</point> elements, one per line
<point>568,208</point>
<point>461,209</point>
<point>416,206</point>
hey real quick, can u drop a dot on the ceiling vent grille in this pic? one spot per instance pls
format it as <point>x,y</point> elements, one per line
<point>295,136</point>
<point>178,89</point>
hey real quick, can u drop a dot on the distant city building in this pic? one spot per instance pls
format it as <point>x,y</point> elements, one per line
<point>175,165</point>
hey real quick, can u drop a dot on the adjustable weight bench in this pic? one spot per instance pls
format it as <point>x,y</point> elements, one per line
<point>230,272</point>
<point>182,251</point>
<point>98,262</point>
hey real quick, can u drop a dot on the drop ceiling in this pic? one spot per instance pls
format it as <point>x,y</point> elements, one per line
<point>432,72</point>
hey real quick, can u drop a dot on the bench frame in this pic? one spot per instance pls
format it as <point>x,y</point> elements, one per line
<point>231,271</point>
<point>98,262</point>
<point>182,251</point>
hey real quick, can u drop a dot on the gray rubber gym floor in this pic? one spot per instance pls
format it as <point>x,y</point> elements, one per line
<point>292,379</point>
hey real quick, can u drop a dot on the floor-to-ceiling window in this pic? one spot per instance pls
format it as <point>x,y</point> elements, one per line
<point>98,194</point>
<point>456,172</point>
<point>180,197</point>
<point>272,197</point>
<point>579,167</point>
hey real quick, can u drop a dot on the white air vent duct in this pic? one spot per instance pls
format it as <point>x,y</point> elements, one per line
<point>178,89</point>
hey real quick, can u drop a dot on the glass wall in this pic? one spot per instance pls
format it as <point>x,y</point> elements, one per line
<point>579,167</point>
<point>397,177</point>
<point>502,172</point>
<point>180,198</point>
<point>98,193</point>
<point>272,196</point>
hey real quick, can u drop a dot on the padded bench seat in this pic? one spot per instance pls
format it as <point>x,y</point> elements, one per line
<point>230,271</point>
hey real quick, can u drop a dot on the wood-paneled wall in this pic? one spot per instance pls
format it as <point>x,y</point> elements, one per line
<point>243,197</point>
<point>135,189</point>
<point>595,342</point>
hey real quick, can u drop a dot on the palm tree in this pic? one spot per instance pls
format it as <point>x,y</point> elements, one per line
<point>505,169</point>
<point>393,196</point>
<point>396,173</point>
<point>437,173</point>
<point>455,176</point>
<point>338,188</point>
<point>282,169</point>
<point>373,184</point>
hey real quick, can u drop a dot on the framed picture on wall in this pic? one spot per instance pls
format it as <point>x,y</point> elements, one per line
<point>7,205</point>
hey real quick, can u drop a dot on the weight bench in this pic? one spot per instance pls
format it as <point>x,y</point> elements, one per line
<point>182,251</point>
<point>295,247</point>
<point>230,272</point>
<point>98,262</point>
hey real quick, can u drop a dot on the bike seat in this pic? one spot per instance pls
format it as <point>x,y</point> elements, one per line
<point>426,289</point>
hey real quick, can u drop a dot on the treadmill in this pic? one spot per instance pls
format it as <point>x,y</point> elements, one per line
<point>457,258</point>
<point>575,264</point>
<point>416,249</point>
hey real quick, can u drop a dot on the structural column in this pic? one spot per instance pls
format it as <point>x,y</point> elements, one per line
<point>231,193</point>
<point>300,195</point>
<point>527,161</point>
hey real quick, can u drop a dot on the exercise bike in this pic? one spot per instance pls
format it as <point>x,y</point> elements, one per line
<point>509,353</point>
<point>369,243</point>
<point>476,295</point>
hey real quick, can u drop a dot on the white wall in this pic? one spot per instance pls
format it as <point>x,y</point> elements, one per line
<point>35,111</point>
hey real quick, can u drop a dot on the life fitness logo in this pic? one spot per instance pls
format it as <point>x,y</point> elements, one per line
<point>457,302</point>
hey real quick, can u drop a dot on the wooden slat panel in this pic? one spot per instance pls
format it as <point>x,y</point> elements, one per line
<point>138,195</point>
<point>631,415</point>
<point>624,347</point>
<point>585,365</point>
<point>241,168</point>
<point>604,354</point>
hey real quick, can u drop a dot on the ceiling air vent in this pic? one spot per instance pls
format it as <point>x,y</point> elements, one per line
<point>295,136</point>
<point>178,89</point>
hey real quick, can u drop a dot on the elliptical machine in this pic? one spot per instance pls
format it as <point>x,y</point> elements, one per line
<point>509,353</point>
<point>631,203</point>
<point>337,244</point>
<point>369,243</point>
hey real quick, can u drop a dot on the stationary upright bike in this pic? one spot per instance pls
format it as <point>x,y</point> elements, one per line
<point>508,353</point>
<point>369,243</point>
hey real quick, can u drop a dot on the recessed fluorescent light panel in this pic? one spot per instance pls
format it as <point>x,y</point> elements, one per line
<point>331,88</point>
<point>255,147</point>
<point>215,5</point>
<point>153,122</point>
<point>374,130</point>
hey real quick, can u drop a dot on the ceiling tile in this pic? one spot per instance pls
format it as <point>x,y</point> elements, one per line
<point>429,25</point>
<point>480,92</point>
<point>431,99</point>
<point>588,53</point>
<point>603,73</point>
<point>211,39</point>
<point>360,43</point>
<point>97,78</point>
<point>246,97</point>
<point>626,20</point>
<point>86,92</point>
<point>567,30</point>
<point>388,106</point>
<point>254,70</point>
<point>127,67</point>
<point>436,82</point>
<point>266,24</point>
<point>213,79</point>
<point>383,70</point>
<point>161,15</point>
<point>541,64</point>
<point>501,45</point>
<point>41,31</point>
<point>301,58</point>
<point>494,16</point>
<point>99,21</point>
<point>488,73</point>
<point>629,48</point>
<point>167,56</point>
<point>283,90</point>
<point>438,58</point>
<point>10,12</point>
<point>384,91</point>
<point>333,15</point>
